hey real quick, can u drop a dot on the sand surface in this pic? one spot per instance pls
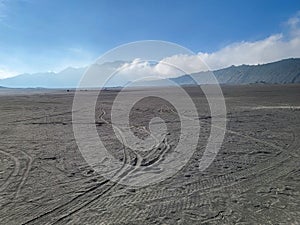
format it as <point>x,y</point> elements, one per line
<point>255,178</point>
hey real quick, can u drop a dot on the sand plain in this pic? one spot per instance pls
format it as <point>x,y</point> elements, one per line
<point>255,178</point>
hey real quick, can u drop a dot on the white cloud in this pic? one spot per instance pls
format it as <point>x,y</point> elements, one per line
<point>184,63</point>
<point>273,48</point>
<point>294,21</point>
<point>168,67</point>
<point>5,72</point>
<point>294,25</point>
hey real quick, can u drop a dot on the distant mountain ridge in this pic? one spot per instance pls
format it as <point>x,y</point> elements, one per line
<point>280,72</point>
<point>69,77</point>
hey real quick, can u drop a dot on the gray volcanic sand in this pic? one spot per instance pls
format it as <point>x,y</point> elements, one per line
<point>255,178</point>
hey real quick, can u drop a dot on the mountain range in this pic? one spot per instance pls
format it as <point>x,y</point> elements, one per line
<point>280,72</point>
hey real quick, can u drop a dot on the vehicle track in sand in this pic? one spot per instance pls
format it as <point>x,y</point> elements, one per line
<point>198,185</point>
<point>162,207</point>
<point>121,174</point>
<point>94,196</point>
<point>265,170</point>
<point>271,171</point>
<point>235,186</point>
<point>26,173</point>
<point>15,171</point>
<point>81,204</point>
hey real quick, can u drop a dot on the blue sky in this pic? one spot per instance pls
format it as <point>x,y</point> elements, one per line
<point>44,35</point>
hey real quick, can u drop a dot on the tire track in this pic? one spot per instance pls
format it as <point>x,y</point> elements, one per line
<point>163,208</point>
<point>263,168</point>
<point>61,207</point>
<point>121,175</point>
<point>192,187</point>
<point>273,172</point>
<point>219,182</point>
<point>72,210</point>
<point>26,173</point>
<point>14,173</point>
<point>204,185</point>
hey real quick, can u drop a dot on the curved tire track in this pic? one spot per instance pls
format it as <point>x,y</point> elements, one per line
<point>14,173</point>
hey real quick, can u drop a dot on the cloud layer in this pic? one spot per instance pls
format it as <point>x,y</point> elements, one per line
<point>273,48</point>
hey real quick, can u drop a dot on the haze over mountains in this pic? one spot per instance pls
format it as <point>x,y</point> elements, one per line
<point>280,72</point>
<point>68,77</point>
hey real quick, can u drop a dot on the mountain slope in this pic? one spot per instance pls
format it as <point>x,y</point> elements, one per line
<point>281,72</point>
<point>66,78</point>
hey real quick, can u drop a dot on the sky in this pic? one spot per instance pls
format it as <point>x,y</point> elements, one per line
<point>50,35</point>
